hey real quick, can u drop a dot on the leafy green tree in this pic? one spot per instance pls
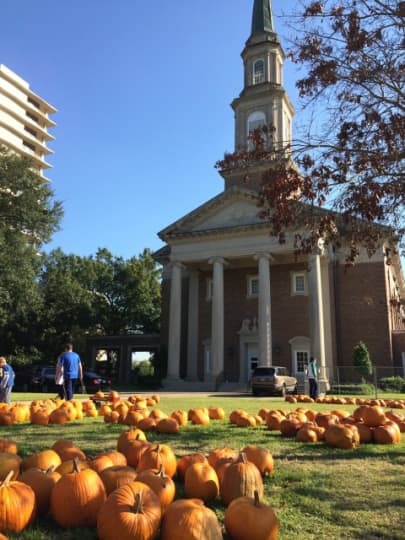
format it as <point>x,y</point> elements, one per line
<point>28,218</point>
<point>361,360</point>
<point>100,294</point>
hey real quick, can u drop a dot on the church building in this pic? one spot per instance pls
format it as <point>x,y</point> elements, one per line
<point>234,298</point>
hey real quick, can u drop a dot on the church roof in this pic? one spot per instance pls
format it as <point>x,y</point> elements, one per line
<point>262,19</point>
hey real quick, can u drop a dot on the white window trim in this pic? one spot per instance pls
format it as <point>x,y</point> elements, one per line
<point>294,291</point>
<point>254,71</point>
<point>249,280</point>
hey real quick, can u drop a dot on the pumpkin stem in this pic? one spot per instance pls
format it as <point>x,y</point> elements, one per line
<point>76,465</point>
<point>256,498</point>
<point>138,507</point>
<point>243,457</point>
<point>7,479</point>
<point>161,471</point>
<point>50,469</point>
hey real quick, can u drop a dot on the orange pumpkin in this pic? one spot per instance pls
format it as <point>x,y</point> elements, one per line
<point>190,519</point>
<point>17,505</point>
<point>201,482</point>
<point>342,436</point>
<point>185,461</point>
<point>162,485</point>
<point>117,476</point>
<point>42,482</point>
<point>134,451</point>
<point>129,435</point>
<point>261,457</point>
<point>77,498</point>
<point>241,478</point>
<point>374,416</point>
<point>156,455</point>
<point>8,446</point>
<point>42,460</point>
<point>131,511</point>
<point>9,462</point>
<point>167,425</point>
<point>246,518</point>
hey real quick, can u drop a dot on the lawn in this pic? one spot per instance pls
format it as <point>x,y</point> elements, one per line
<point>316,491</point>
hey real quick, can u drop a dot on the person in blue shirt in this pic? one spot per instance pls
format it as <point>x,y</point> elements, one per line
<point>7,380</point>
<point>70,367</point>
<point>313,378</point>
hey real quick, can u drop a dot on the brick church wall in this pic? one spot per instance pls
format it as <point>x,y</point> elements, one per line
<point>363,313</point>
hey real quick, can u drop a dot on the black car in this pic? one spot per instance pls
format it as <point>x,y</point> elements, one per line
<point>44,380</point>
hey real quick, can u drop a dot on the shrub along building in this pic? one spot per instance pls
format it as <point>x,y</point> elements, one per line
<point>234,297</point>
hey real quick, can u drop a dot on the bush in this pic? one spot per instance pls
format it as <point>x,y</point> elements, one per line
<point>351,389</point>
<point>392,384</point>
<point>361,360</point>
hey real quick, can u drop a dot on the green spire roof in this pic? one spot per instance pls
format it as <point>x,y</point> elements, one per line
<point>262,19</point>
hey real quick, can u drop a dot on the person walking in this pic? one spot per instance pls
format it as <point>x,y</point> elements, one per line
<point>70,367</point>
<point>59,380</point>
<point>7,380</point>
<point>313,378</point>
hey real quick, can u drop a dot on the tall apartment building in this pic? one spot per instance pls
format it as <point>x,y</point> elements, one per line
<point>24,119</point>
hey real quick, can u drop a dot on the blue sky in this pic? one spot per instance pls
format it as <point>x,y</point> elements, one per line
<point>142,90</point>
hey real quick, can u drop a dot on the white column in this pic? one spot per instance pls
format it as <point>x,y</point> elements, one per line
<point>192,336</point>
<point>217,318</point>
<point>264,308</point>
<point>173,363</point>
<point>317,316</point>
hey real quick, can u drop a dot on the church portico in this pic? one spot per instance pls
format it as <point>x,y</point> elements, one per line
<point>222,295</point>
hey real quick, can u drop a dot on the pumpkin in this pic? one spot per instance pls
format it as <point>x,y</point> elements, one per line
<point>162,485</point>
<point>131,511</point>
<point>342,436</point>
<point>9,462</point>
<point>374,416</point>
<point>117,476</point>
<point>129,435</point>
<point>67,467</point>
<point>58,416</point>
<point>156,455</point>
<point>99,463</point>
<point>365,432</point>
<point>306,434</point>
<point>42,482</point>
<point>8,446</point>
<point>326,419</point>
<point>261,457</point>
<point>246,518</point>
<point>40,417</point>
<point>219,453</point>
<point>273,420</point>
<point>118,458</point>
<point>42,460</point>
<point>77,498</point>
<point>240,479</point>
<point>61,444</point>
<point>201,482</point>
<point>199,416</point>
<point>180,416</point>
<point>147,424</point>
<point>386,434</point>
<point>289,427</point>
<point>216,413</point>
<point>17,505</point>
<point>185,461</point>
<point>134,451</point>
<point>167,425</point>
<point>190,519</point>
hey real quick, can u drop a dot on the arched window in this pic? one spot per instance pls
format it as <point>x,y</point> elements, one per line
<point>258,72</point>
<point>255,120</point>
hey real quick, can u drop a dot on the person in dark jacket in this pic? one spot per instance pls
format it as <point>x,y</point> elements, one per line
<point>313,378</point>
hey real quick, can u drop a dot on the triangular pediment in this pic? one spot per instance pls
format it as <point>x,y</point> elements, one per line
<point>235,207</point>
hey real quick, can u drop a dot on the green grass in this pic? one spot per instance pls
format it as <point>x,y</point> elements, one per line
<point>316,492</point>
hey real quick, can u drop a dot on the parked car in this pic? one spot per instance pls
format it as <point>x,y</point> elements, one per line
<point>273,380</point>
<point>24,377</point>
<point>44,380</point>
